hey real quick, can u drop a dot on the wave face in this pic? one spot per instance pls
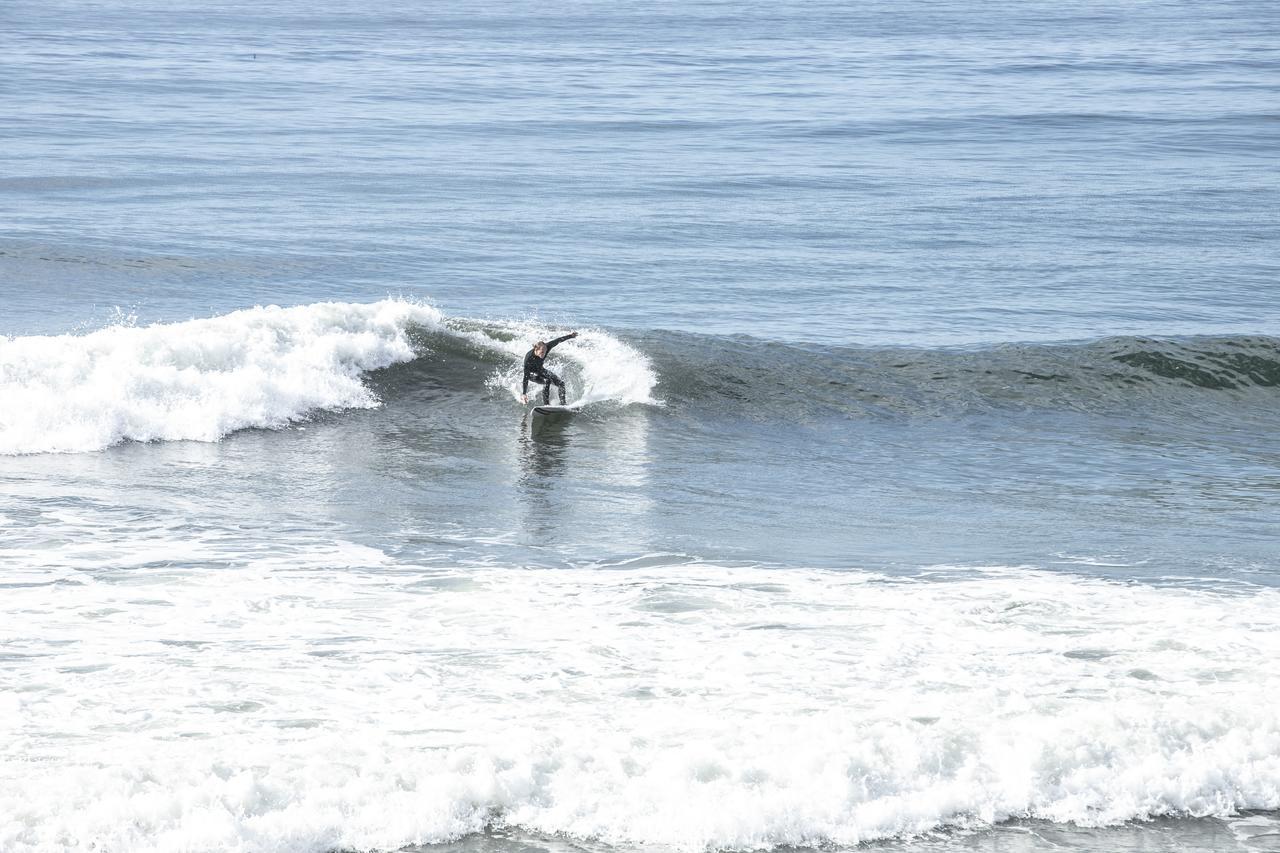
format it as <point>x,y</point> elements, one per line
<point>1107,376</point>
<point>329,697</point>
<point>264,367</point>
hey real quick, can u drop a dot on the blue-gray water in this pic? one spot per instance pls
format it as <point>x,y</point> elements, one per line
<point>925,493</point>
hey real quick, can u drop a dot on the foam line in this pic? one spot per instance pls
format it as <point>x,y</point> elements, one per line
<point>304,704</point>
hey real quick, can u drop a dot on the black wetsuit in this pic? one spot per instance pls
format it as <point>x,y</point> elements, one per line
<point>534,370</point>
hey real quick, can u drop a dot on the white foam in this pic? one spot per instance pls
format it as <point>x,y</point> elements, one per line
<point>604,369</point>
<point>200,379</point>
<point>335,700</point>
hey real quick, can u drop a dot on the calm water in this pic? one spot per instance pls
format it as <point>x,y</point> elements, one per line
<point>925,492</point>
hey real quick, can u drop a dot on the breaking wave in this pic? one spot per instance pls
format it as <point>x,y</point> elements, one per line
<point>264,367</point>
<point>268,367</point>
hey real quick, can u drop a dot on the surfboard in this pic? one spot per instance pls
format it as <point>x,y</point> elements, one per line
<point>555,410</point>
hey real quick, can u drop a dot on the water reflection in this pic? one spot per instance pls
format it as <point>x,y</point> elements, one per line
<point>625,515</point>
<point>542,455</point>
<point>543,450</point>
<point>586,479</point>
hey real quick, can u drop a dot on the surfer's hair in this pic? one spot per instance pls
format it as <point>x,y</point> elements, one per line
<point>542,344</point>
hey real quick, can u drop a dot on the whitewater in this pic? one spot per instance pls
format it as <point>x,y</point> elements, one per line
<point>331,697</point>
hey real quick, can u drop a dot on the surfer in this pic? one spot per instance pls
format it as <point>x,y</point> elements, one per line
<point>534,370</point>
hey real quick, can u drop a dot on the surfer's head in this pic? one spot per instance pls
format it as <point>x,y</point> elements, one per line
<point>540,349</point>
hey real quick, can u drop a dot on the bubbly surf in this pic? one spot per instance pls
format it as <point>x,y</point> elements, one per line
<point>329,697</point>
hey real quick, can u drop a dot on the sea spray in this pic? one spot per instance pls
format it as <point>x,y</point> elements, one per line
<point>602,368</point>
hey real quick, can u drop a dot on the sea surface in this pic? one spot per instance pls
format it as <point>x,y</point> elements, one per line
<point>924,496</point>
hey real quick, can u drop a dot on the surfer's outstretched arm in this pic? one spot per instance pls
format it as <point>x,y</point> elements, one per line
<point>560,340</point>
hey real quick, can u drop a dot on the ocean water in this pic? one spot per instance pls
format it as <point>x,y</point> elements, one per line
<point>924,498</point>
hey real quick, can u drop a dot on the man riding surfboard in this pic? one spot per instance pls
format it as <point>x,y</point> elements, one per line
<point>533,369</point>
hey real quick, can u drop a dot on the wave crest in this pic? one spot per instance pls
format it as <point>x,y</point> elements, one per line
<point>200,379</point>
